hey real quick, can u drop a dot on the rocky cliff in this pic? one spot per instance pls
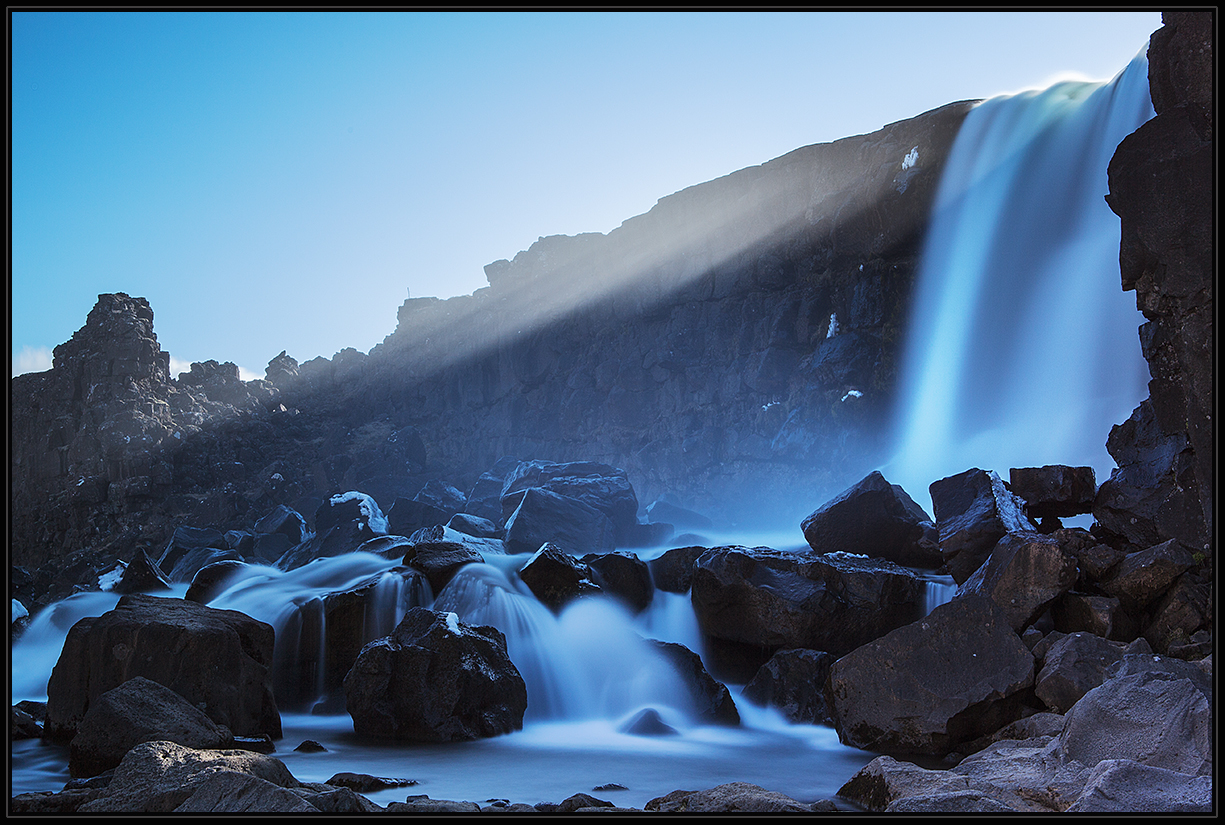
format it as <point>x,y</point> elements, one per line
<point>736,344</point>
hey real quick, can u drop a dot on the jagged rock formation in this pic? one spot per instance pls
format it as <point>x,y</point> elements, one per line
<point>1161,186</point>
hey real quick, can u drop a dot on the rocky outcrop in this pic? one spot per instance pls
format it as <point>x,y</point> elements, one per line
<point>435,680</point>
<point>219,660</point>
<point>1161,187</point>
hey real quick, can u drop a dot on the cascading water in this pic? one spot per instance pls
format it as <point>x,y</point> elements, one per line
<point>1023,349</point>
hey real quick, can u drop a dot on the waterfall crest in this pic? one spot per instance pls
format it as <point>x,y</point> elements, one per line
<point>1023,349</point>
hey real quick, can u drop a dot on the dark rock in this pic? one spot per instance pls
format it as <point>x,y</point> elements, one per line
<point>139,710</point>
<point>435,680</point>
<point>213,578</point>
<point>712,702</point>
<point>1054,490</point>
<point>23,726</point>
<point>556,578</point>
<point>142,575</point>
<point>734,797</point>
<point>877,519</point>
<point>439,560</point>
<point>389,547</point>
<point>281,370</point>
<point>542,516</point>
<point>929,686</point>
<point>598,486</point>
<point>284,521</point>
<point>474,526</point>
<point>792,681</point>
<point>648,722</point>
<point>1184,610</point>
<point>188,539</point>
<point>1100,615</point>
<point>973,511</point>
<point>664,512</point>
<point>1024,575</point>
<point>192,562</point>
<point>365,783</point>
<point>673,570</point>
<point>623,576</point>
<point>219,660</point>
<point>1141,577</point>
<point>775,599</point>
<point>1072,667</point>
<point>311,746</point>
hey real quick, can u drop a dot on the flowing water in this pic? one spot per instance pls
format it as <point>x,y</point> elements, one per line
<point>1025,351</point>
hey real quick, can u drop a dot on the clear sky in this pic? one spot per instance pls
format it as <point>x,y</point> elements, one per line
<point>283,181</point>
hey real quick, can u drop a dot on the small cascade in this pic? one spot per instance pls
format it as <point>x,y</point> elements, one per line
<point>1023,349</point>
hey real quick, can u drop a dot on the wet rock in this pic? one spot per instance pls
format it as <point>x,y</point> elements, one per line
<point>974,511</point>
<point>439,560</point>
<point>284,521</point>
<point>142,575</point>
<point>877,519</point>
<point>365,783</point>
<point>218,660</point>
<point>792,681</point>
<point>435,680</point>
<point>1054,490</point>
<point>925,688</point>
<point>556,578</point>
<point>139,710</point>
<point>648,722</point>
<point>672,571</point>
<point>542,516</point>
<point>712,701</point>
<point>598,486</point>
<point>623,576</point>
<point>775,599</point>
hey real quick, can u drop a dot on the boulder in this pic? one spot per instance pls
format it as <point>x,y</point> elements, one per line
<point>435,503</point>
<point>1159,719</point>
<point>1124,786</point>
<point>601,487</point>
<point>193,561</point>
<point>712,701</point>
<point>877,519</point>
<point>556,578</point>
<point>664,512</point>
<point>773,599</point>
<point>283,521</point>
<point>1024,574</point>
<point>927,687</point>
<point>1055,490</point>
<point>1072,666</point>
<point>435,680</point>
<point>219,660</point>
<point>672,571</point>
<point>476,526</point>
<point>184,540</point>
<point>139,710</point>
<point>542,516</point>
<point>439,560</point>
<point>142,575</point>
<point>1184,612</point>
<point>792,682</point>
<point>164,777</point>
<point>1100,615</point>
<point>212,579</point>
<point>1141,577</point>
<point>734,797</point>
<point>623,576</point>
<point>485,497</point>
<point>974,511</point>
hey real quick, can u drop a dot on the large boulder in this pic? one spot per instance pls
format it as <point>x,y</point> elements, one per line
<point>771,599</point>
<point>623,576</point>
<point>878,519</point>
<point>439,560</point>
<point>974,510</point>
<point>435,680</point>
<point>927,687</point>
<point>556,578</point>
<point>672,570</point>
<point>219,660</point>
<point>599,486</point>
<point>1024,575</point>
<point>139,710</point>
<point>543,516</point>
<point>1072,666</point>
<point>793,683</point>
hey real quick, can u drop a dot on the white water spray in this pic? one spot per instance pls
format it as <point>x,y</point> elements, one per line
<point>1023,348</point>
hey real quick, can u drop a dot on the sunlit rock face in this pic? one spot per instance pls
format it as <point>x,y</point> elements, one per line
<point>737,344</point>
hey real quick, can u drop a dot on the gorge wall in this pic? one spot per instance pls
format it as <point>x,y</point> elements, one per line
<point>735,348</point>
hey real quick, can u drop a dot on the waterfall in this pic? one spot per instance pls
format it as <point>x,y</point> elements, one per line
<point>1023,349</point>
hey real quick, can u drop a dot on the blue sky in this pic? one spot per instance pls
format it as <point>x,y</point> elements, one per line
<point>283,181</point>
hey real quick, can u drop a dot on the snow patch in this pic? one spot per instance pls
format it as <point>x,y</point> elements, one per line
<point>453,623</point>
<point>369,508</point>
<point>19,611</point>
<point>852,394</point>
<point>912,157</point>
<point>111,577</point>
<point>833,325</point>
